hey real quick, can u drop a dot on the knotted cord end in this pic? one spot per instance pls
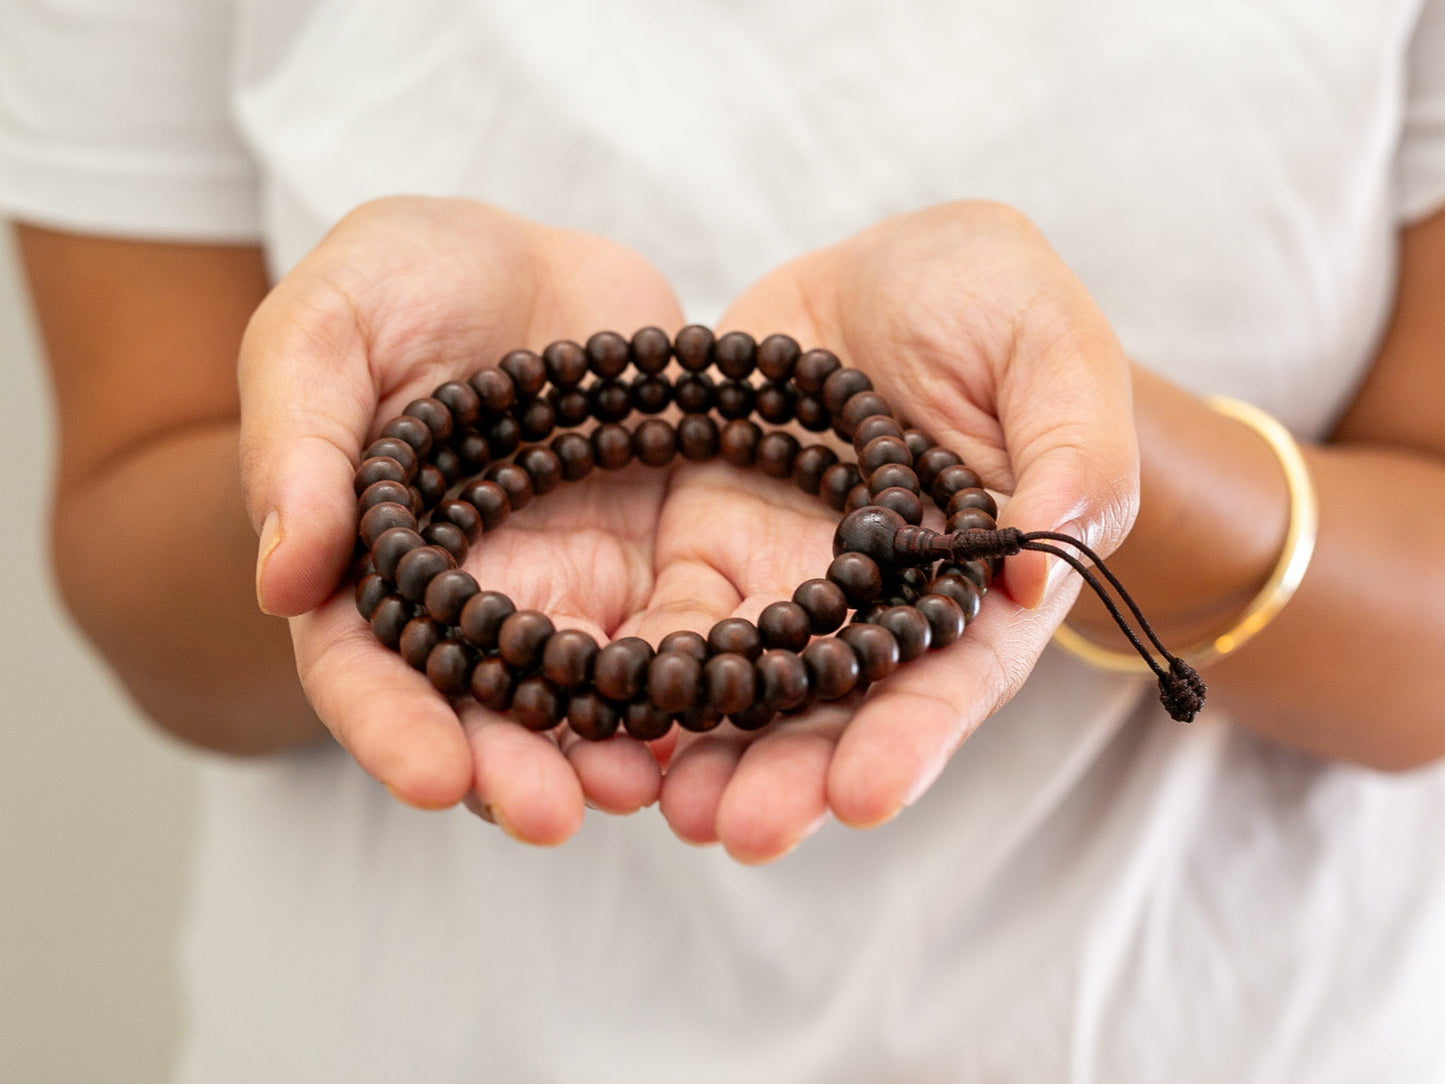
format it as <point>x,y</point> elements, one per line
<point>1181,691</point>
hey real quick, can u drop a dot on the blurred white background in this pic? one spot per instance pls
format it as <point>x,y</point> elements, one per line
<point>96,807</point>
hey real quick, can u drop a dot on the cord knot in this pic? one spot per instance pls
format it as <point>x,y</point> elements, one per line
<point>1181,691</point>
<point>977,544</point>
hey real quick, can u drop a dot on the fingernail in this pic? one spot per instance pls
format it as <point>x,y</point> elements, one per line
<point>270,539</point>
<point>404,800</point>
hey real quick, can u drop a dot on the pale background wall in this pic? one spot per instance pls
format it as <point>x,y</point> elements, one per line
<point>95,807</point>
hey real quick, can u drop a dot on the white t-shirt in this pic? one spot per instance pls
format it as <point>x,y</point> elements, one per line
<point>1090,892</point>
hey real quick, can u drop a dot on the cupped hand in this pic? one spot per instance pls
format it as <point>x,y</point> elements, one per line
<point>970,325</point>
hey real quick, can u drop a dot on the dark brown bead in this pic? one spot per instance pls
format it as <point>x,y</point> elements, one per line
<point>736,635</point>
<point>620,670</point>
<point>608,353</point>
<point>417,640</point>
<point>418,567</point>
<point>379,468</point>
<point>651,394</point>
<point>430,484</point>
<point>687,642</point>
<point>876,648</point>
<point>389,619</point>
<point>869,531</point>
<point>574,452</point>
<point>448,463</point>
<point>523,637</point>
<point>651,349</point>
<point>832,668</point>
<point>812,415</point>
<point>870,429</point>
<point>858,497</point>
<point>697,437</point>
<point>611,400</point>
<point>566,363</point>
<point>951,480</point>
<point>482,616</point>
<point>735,354</point>
<point>734,399</point>
<point>384,492</point>
<point>729,683</point>
<point>449,667</point>
<point>491,502</point>
<point>783,679</point>
<point>537,704</point>
<point>448,593</point>
<point>495,389</point>
<point>756,716</point>
<point>504,436</point>
<point>516,482</point>
<point>865,404</point>
<point>914,579</point>
<point>869,612</point>
<point>945,619</point>
<point>448,536</point>
<point>857,575</point>
<point>380,518</point>
<point>413,431</point>
<point>892,475</point>
<point>692,392</point>
<point>370,590</point>
<point>393,448</point>
<point>837,482</point>
<point>473,452</point>
<point>880,451</point>
<point>654,442</point>
<point>963,592</point>
<point>776,356</point>
<point>776,403</point>
<point>612,446</point>
<point>785,625</point>
<point>693,347</point>
<point>645,722</point>
<point>971,519</point>
<point>842,386</point>
<point>809,466</point>
<point>930,463</point>
<point>918,442</point>
<point>673,680</point>
<point>699,719</point>
<point>543,467</point>
<point>391,546</point>
<point>571,406</point>
<point>738,442</point>
<point>981,499</point>
<point>813,368</point>
<point>536,420</point>
<point>825,604</point>
<point>909,627</point>
<point>462,401</point>
<point>978,573</point>
<point>903,501</point>
<point>568,657</point>
<point>777,452</point>
<point>527,370</point>
<point>492,682</point>
<point>592,717</point>
<point>433,413</point>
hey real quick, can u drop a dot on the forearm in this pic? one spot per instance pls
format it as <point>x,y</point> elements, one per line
<point>155,558</point>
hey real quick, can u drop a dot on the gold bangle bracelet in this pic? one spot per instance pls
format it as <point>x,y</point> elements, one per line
<point>1299,545</point>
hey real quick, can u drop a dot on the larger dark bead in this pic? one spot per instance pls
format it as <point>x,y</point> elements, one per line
<point>785,625</point>
<point>945,619</point>
<point>824,603</point>
<point>736,635</point>
<point>379,468</point>
<point>389,619</point>
<point>962,590</point>
<point>567,658</point>
<point>655,442</point>
<point>447,593</point>
<point>380,518</point>
<point>673,680</point>
<point>892,476</point>
<point>869,531</point>
<point>482,616</point>
<point>385,491</point>
<point>782,679</point>
<point>448,536</point>
<point>461,400</point>
<point>495,389</point>
<point>697,437</point>
<point>491,502</point>
<point>449,667</point>
<point>738,442</point>
<point>970,519</point>
<point>909,627</point>
<point>863,405</point>
<point>543,467</point>
<point>608,354</point>
<point>522,638</point>
<point>686,641</point>
<point>612,446</point>
<point>876,648</point>
<point>903,501</point>
<point>413,431</point>
<point>931,462</point>
<point>515,481</point>
<point>527,370</point>
<point>858,575</point>
<point>434,414</point>
<point>645,722</point>
<point>842,386</point>
<point>417,640</point>
<point>729,683</point>
<point>777,452</point>
<point>391,546</point>
<point>574,452</point>
<point>394,448</point>
<point>813,368</point>
<point>620,669</point>
<point>735,353</point>
<point>538,705</point>
<point>951,480</point>
<point>832,668</point>
<point>776,357</point>
<point>492,682</point>
<point>981,499</point>
<point>881,450</point>
<point>809,466</point>
<point>592,717</point>
<point>566,363</point>
<point>651,350</point>
<point>693,347</point>
<point>870,429</point>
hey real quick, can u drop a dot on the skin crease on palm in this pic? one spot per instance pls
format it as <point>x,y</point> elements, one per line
<point>388,306</point>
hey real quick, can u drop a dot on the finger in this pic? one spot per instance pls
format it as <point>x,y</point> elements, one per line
<point>523,781</point>
<point>619,775</point>
<point>384,713</point>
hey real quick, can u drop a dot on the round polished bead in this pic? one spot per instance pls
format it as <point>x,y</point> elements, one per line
<point>591,717</point>
<point>687,642</point>
<point>574,452</point>
<point>654,442</point>
<point>495,389</point>
<point>699,719</point>
<point>812,415</point>
<point>777,452</point>
<point>782,679</point>
<point>865,404</point>
<point>785,625</point>
<point>370,590</point>
<point>881,451</point>
<point>461,400</point>
<point>384,492</point>
<point>832,668</point>
<point>692,392</point>
<point>491,502</point>
<point>417,640</point>
<point>735,354</point>
<point>394,448</point>
<point>449,667</point>
<point>734,399</point>
<point>527,370</point>
<point>536,420</point>
<point>979,573</point>
<point>876,648</point>
<point>608,354</point>
<point>567,658</point>
<point>522,638</point>
<point>380,518</point>
<point>835,485</point>
<point>918,442</point>
<point>697,437</point>
<point>825,604</point>
<point>430,484</point>
<point>809,466</point>
<point>931,463</point>
<point>971,519</point>
<point>379,468</point>
<point>729,683</point>
<point>391,546</point>
<point>538,704</point>
<point>434,414</point>
<point>492,682</point>
<point>611,400</point>
<point>515,481</point>
<point>645,722</point>
<point>504,436</point>
<point>543,467</point>
<point>673,681</point>
<point>858,497</point>
<point>449,463</point>
<point>813,368</point>
<point>857,575</point>
<point>418,567</point>
<point>693,347</point>
<point>448,536</point>
<point>963,591</point>
<point>868,531</point>
<point>754,717</point>
<point>951,480</point>
<point>389,619</point>
<point>978,498</point>
<point>890,476</point>
<point>572,406</point>
<point>735,635</point>
<point>473,451</point>
<point>909,627</point>
<point>612,446</point>
<point>776,404</point>
<point>651,394</point>
<point>777,355</point>
<point>413,431</point>
<point>566,363</point>
<point>945,619</point>
<point>738,442</point>
<point>903,501</point>
<point>482,616</point>
<point>651,350</point>
<point>620,669</point>
<point>841,386</point>
<point>447,593</point>
<point>870,429</point>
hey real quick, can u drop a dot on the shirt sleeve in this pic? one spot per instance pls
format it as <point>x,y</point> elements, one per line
<point>115,119</point>
<point>1420,163</point>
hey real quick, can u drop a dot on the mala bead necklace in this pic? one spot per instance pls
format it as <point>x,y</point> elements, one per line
<point>456,463</point>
